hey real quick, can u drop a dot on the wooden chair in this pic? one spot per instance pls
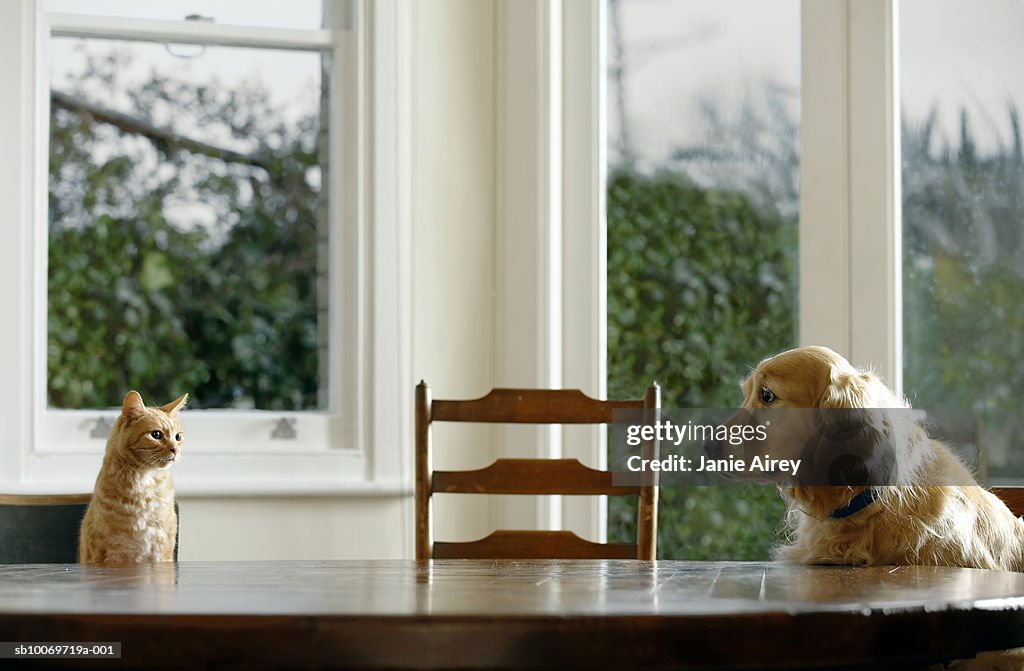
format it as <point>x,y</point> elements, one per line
<point>1013,497</point>
<point>530,476</point>
<point>43,529</point>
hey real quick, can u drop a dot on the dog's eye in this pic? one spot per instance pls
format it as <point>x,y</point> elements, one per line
<point>767,395</point>
<point>156,435</point>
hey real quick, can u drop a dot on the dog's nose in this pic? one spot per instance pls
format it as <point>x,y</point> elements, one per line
<point>714,448</point>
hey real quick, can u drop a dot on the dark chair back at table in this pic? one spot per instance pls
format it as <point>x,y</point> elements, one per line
<point>43,529</point>
<point>1013,497</point>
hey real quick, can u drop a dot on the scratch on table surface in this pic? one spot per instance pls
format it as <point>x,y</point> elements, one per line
<point>714,581</point>
<point>659,582</point>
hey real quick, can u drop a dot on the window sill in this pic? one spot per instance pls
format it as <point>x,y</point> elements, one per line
<point>242,488</point>
<point>327,473</point>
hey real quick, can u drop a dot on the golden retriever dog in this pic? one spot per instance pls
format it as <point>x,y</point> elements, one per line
<point>930,511</point>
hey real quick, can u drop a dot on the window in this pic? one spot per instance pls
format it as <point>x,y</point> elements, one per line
<point>186,216</point>
<point>963,201</point>
<point>908,247</point>
<point>703,160</point>
<point>208,225</point>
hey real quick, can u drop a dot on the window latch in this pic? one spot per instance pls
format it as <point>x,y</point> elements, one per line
<point>101,429</point>
<point>284,429</point>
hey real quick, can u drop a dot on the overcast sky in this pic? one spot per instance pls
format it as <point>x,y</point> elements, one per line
<point>963,53</point>
<point>954,54</point>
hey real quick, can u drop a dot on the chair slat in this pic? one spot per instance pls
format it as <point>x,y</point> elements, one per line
<point>531,476</point>
<point>1013,497</point>
<point>505,544</point>
<point>540,406</point>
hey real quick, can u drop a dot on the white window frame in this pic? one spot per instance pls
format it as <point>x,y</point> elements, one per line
<point>551,317</point>
<point>850,187</point>
<point>360,444</point>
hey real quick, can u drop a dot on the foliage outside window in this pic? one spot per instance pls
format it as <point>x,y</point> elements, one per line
<point>186,225</point>
<point>682,311</point>
<point>963,243</point>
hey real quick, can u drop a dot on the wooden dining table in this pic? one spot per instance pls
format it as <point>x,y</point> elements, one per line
<point>485,614</point>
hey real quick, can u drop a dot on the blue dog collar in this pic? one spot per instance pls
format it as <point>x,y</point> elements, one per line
<point>857,504</point>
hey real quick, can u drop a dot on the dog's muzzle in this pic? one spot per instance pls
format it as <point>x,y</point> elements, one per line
<point>715,449</point>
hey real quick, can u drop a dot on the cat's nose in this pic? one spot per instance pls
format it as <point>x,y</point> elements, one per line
<point>175,449</point>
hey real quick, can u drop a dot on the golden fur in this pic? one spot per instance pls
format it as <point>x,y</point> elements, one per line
<point>131,517</point>
<point>954,523</point>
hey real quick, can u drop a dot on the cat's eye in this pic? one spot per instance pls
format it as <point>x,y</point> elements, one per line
<point>156,435</point>
<point>767,395</point>
<point>177,437</point>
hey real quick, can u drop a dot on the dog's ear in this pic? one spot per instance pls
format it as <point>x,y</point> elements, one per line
<point>849,449</point>
<point>849,446</point>
<point>849,389</point>
<point>844,409</point>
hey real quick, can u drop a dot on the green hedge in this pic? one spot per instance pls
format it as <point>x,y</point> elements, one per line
<point>226,311</point>
<point>701,286</point>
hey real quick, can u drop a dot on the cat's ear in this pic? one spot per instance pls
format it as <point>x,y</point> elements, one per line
<point>175,405</point>
<point>133,407</point>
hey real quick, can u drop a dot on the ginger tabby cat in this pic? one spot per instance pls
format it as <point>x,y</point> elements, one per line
<point>131,518</point>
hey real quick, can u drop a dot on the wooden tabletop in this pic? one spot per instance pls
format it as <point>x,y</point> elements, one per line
<point>512,614</point>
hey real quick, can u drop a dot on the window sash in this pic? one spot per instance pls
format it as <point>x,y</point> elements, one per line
<point>350,448</point>
<point>66,431</point>
<point>193,32</point>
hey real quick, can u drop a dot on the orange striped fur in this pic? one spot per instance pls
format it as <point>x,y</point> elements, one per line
<point>131,518</point>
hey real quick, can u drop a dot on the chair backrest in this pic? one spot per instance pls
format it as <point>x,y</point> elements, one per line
<point>43,529</point>
<point>531,476</point>
<point>1013,497</point>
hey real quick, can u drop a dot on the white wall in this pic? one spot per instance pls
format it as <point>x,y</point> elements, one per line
<point>291,528</point>
<point>454,230</point>
<point>453,256</point>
